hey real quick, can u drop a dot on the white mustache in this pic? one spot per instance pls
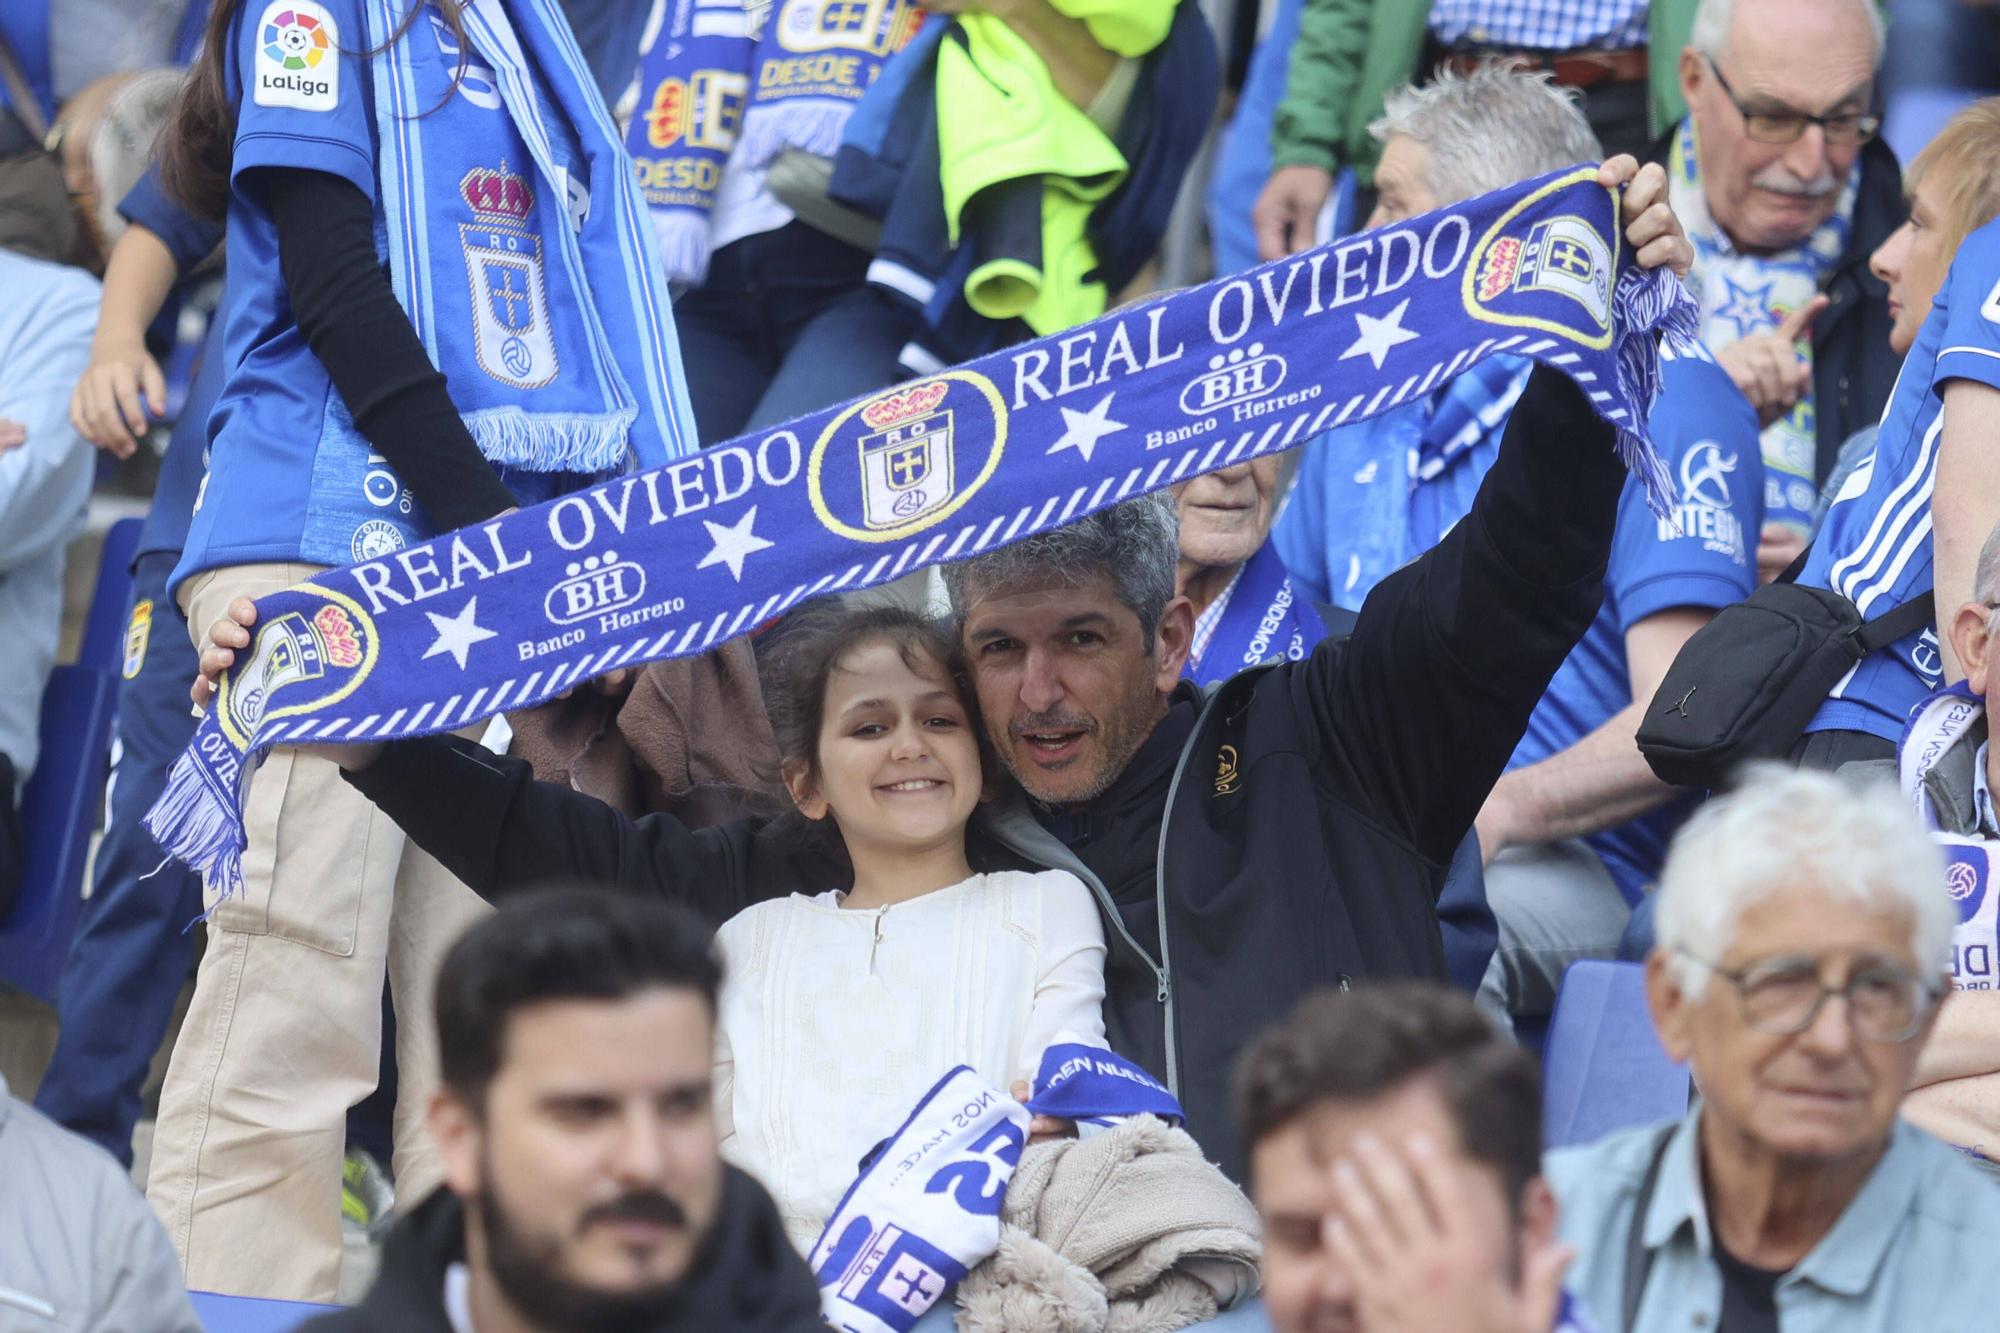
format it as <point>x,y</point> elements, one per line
<point>1780,181</point>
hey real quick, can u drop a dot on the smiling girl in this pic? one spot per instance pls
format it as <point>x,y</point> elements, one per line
<point>843,1007</point>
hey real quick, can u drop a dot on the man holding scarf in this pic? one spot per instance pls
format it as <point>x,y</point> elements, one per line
<point>1949,770</point>
<point>1285,832</point>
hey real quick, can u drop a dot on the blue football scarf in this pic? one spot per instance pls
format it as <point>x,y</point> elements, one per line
<point>550,321</point>
<point>1264,619</point>
<point>1097,1089</point>
<point>675,560</point>
<point>814,61</point>
<point>925,1209</point>
<point>693,81</point>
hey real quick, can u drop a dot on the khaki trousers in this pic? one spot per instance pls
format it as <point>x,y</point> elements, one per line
<point>285,1030</point>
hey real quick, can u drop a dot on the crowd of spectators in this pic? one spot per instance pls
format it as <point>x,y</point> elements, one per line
<point>588,1018</point>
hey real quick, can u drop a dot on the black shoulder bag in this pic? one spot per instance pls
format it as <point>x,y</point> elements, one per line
<point>1747,683</point>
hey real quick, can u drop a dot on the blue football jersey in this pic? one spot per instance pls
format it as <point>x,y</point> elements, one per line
<point>1876,545</point>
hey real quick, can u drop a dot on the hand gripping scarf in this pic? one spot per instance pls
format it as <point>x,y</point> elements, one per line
<point>517,243</point>
<point>672,561</point>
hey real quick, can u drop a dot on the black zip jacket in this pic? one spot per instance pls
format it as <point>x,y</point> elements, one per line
<point>1287,832</point>
<point>746,1278</point>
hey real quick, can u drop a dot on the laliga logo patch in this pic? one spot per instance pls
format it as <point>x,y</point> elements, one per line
<point>1965,880</point>
<point>593,586</point>
<point>904,461</point>
<point>333,649</point>
<point>1238,376</point>
<point>296,66</point>
<point>1556,276</point>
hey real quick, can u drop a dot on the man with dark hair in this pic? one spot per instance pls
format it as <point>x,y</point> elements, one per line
<point>583,1190</point>
<point>1394,1140</point>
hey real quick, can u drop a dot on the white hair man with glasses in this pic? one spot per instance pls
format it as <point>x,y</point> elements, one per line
<point>1802,931</point>
<point>1786,193</point>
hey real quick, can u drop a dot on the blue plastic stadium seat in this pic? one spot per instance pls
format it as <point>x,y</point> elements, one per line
<point>104,628</point>
<point>1603,1068</point>
<point>58,810</point>
<point>243,1314</point>
<point>59,805</point>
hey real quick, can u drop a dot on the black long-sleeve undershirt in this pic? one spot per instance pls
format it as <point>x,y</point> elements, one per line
<point>343,303</point>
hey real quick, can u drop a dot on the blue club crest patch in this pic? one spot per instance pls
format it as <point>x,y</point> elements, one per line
<point>317,659</point>
<point>893,465</point>
<point>1555,275</point>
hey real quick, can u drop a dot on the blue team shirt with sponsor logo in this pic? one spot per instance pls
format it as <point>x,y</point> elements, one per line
<point>288,478</point>
<point>1876,544</point>
<point>1704,556</point>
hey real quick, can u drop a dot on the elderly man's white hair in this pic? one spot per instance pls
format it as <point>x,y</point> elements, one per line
<point>1786,828</point>
<point>1490,128</point>
<point>1709,33</point>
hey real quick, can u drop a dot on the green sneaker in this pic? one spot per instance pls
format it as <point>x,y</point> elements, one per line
<point>366,1194</point>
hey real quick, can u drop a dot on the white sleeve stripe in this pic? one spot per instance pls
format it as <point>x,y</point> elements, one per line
<point>1899,508</point>
<point>1918,540</point>
<point>1970,350</point>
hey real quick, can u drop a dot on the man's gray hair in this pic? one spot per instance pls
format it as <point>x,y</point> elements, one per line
<point>1986,580</point>
<point>1135,544</point>
<point>121,143</point>
<point>1784,828</point>
<point>1490,128</point>
<point>1709,33</point>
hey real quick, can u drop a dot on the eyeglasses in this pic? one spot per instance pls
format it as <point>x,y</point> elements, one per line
<point>1781,997</point>
<point>1842,127</point>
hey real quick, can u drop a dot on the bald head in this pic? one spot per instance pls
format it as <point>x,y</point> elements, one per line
<point>1818,57</point>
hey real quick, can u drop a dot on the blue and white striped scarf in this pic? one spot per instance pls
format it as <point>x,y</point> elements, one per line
<point>518,244</point>
<point>671,561</point>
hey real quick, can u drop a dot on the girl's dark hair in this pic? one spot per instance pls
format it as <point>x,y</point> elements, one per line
<point>200,139</point>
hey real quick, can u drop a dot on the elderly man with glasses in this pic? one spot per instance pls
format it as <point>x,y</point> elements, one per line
<point>1786,193</point>
<point>1802,930</point>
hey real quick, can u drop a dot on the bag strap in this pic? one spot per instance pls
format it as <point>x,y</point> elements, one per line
<point>1638,1259</point>
<point>1885,629</point>
<point>26,106</point>
<point>1893,624</point>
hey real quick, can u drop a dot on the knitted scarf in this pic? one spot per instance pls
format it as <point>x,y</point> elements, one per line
<point>675,560</point>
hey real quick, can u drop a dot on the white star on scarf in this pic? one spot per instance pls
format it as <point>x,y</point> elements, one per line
<point>1082,430</point>
<point>456,634</point>
<point>1377,336</point>
<point>733,541</point>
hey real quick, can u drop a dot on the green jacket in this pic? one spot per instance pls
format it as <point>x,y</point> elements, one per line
<point>1351,54</point>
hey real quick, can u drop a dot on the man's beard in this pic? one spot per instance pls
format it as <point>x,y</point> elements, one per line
<point>524,1266</point>
<point>1119,735</point>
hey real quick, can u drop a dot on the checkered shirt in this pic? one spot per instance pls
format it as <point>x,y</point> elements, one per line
<point>1540,25</point>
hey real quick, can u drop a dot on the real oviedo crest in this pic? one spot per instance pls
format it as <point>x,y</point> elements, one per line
<point>1554,275</point>
<point>511,337</point>
<point>893,465</point>
<point>300,662</point>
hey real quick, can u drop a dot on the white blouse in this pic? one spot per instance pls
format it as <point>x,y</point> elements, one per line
<point>834,1022</point>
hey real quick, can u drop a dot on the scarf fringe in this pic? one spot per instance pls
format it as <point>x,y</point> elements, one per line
<point>193,823</point>
<point>809,124</point>
<point>684,248</point>
<point>1649,303</point>
<point>542,442</point>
